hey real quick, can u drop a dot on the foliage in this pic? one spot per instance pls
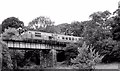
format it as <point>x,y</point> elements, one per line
<point>70,52</point>
<point>100,17</point>
<point>101,33</point>
<point>0,28</point>
<point>108,47</point>
<point>31,56</point>
<point>12,22</point>
<point>6,61</point>
<point>0,53</point>
<point>17,57</point>
<point>116,27</point>
<point>87,57</point>
<point>50,29</point>
<point>37,58</point>
<point>98,28</point>
<point>40,22</point>
<point>11,33</point>
<point>75,28</point>
<point>98,33</point>
<point>63,28</point>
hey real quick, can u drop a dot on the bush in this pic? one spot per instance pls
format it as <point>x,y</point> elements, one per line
<point>6,58</point>
<point>87,58</point>
<point>70,52</point>
<point>17,57</point>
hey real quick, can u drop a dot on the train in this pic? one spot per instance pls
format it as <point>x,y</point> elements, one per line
<point>37,35</point>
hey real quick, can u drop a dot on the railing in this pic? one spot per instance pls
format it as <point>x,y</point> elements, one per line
<point>13,44</point>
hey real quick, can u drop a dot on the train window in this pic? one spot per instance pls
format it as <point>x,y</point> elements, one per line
<point>50,37</point>
<point>66,38</point>
<point>72,38</point>
<point>37,34</point>
<point>69,38</point>
<point>75,38</point>
<point>62,37</point>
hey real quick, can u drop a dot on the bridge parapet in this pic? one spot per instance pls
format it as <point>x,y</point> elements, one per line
<point>34,44</point>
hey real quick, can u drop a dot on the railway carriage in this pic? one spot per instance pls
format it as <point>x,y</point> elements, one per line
<point>50,36</point>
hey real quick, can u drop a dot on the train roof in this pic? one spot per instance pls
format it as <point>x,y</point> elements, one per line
<point>55,34</point>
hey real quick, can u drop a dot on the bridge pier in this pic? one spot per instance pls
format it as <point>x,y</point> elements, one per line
<point>54,57</point>
<point>48,59</point>
<point>14,60</point>
<point>41,57</point>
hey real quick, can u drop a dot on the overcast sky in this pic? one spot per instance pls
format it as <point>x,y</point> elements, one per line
<point>60,11</point>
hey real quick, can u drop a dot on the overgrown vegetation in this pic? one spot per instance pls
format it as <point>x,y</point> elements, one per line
<point>87,58</point>
<point>6,58</point>
<point>101,38</point>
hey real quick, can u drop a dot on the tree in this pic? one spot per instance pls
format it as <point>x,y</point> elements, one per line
<point>6,59</point>
<point>70,52</point>
<point>98,28</point>
<point>116,28</point>
<point>109,48</point>
<point>1,54</point>
<point>76,28</point>
<point>52,29</point>
<point>100,17</point>
<point>62,28</point>
<point>12,22</point>
<point>17,57</point>
<point>40,22</point>
<point>98,33</point>
<point>0,28</point>
<point>11,33</point>
<point>92,32</point>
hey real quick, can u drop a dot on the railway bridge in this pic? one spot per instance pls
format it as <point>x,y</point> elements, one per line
<point>53,46</point>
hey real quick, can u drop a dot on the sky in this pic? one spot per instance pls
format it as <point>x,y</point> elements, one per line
<point>59,11</point>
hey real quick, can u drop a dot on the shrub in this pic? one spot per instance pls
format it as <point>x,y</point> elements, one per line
<point>87,58</point>
<point>70,52</point>
<point>6,58</point>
